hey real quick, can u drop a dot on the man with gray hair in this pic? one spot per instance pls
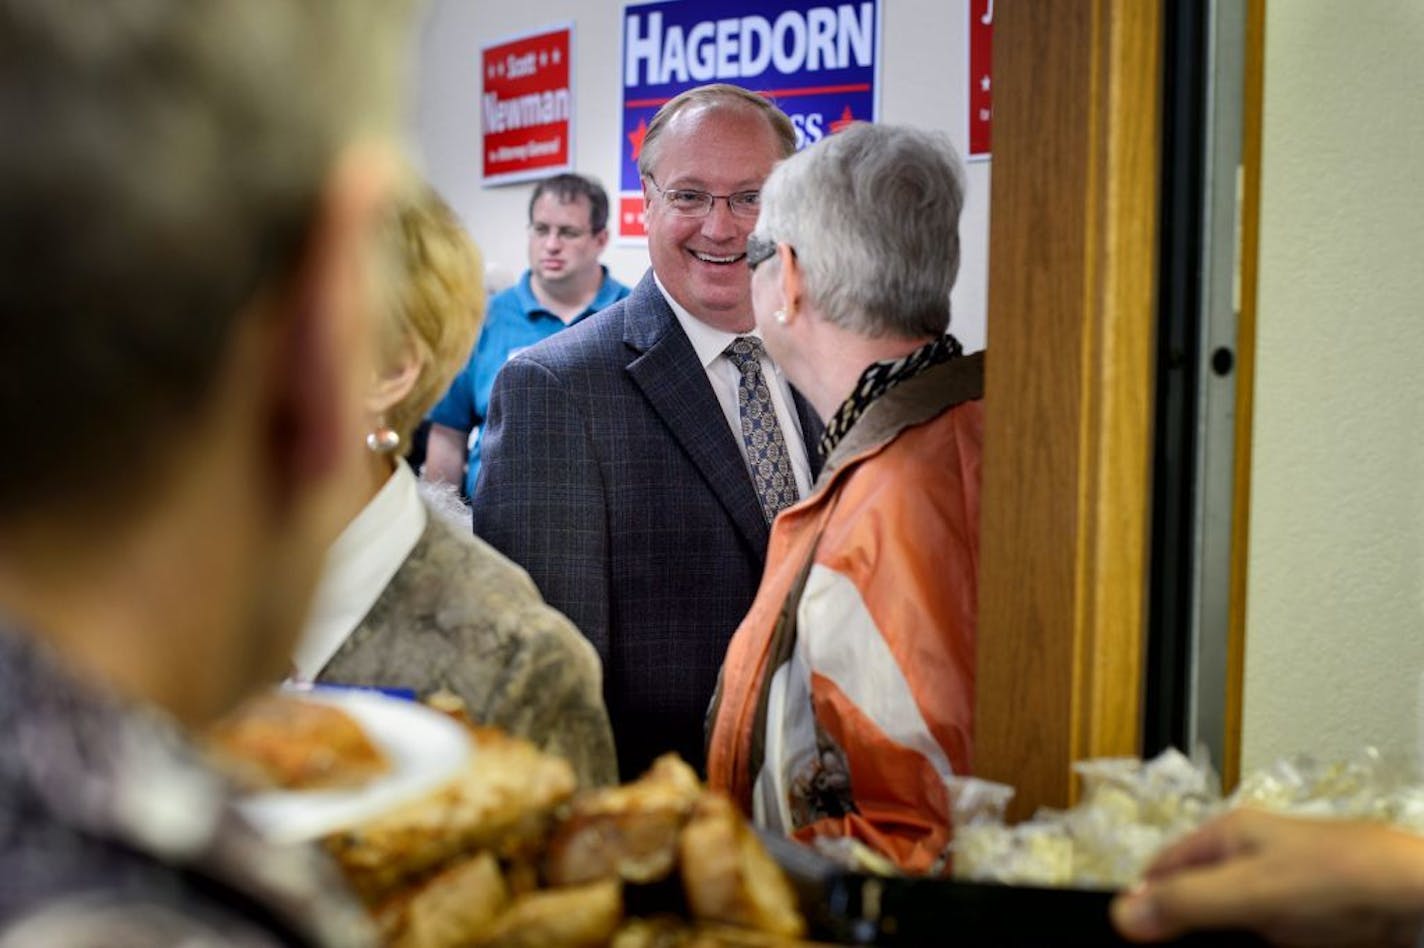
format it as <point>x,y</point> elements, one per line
<point>190,202</point>
<point>633,464</point>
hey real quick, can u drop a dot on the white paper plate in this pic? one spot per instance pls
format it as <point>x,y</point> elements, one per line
<point>424,747</point>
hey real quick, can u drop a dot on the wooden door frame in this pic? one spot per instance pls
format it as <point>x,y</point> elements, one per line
<point>1067,465</point>
<point>1251,119</point>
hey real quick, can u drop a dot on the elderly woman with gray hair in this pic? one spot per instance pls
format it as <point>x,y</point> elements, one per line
<point>847,694</point>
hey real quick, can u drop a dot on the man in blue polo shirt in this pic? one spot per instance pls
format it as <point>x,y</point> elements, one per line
<point>568,229</point>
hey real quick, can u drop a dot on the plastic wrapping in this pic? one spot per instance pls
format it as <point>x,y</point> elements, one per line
<point>1034,853</point>
<point>1367,787</point>
<point>972,800</point>
<point>1130,809</point>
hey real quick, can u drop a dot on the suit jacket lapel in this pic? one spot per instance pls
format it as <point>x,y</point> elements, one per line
<point>673,381</point>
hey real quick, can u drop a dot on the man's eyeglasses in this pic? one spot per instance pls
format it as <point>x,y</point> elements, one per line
<point>542,232</point>
<point>690,202</point>
<point>760,249</point>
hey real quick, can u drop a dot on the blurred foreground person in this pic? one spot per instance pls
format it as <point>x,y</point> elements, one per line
<point>847,694</point>
<point>189,202</point>
<point>410,599</point>
<point>1296,882</point>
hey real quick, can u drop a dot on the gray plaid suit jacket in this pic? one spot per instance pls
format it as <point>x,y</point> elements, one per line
<point>610,474</point>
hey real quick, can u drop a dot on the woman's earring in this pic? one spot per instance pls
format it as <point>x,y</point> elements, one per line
<point>384,440</point>
<point>780,317</point>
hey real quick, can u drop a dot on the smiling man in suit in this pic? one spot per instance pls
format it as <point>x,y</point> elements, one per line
<point>634,462</point>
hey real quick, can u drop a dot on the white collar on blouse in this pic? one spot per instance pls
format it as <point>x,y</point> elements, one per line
<point>359,566</point>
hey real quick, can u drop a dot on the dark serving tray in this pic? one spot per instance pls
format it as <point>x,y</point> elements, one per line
<point>859,909</point>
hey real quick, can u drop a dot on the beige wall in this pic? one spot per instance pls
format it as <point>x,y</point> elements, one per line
<point>922,83</point>
<point>1335,615</point>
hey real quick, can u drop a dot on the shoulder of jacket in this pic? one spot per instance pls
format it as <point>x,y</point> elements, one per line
<point>459,565</point>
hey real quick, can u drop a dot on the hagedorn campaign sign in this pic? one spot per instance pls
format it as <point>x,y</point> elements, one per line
<point>817,60</point>
<point>526,111</point>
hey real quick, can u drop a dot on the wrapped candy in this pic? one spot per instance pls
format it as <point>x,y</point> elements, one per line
<point>1130,809</point>
<point>1369,786</point>
<point>987,850</point>
<point>972,800</point>
<point>1033,853</point>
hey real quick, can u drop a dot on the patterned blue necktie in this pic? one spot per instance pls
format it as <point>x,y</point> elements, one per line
<point>766,446</point>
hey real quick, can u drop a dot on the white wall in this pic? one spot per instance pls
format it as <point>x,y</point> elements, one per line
<point>923,66</point>
<point>1335,620</point>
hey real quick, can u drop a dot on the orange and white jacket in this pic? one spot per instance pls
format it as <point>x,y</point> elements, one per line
<point>846,709</point>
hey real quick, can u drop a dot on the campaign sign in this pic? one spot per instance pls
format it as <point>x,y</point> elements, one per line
<point>526,112</point>
<point>818,60</point>
<point>981,98</point>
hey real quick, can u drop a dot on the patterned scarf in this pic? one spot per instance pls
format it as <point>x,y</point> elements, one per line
<point>881,377</point>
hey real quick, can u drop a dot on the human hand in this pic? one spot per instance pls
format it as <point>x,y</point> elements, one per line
<point>1295,882</point>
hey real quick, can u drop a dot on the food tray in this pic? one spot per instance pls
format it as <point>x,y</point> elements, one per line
<point>853,908</point>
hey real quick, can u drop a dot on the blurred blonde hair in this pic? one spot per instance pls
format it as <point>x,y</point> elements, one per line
<point>437,302</point>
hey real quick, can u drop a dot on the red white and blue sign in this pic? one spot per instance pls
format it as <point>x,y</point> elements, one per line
<point>981,71</point>
<point>819,61</point>
<point>526,109</point>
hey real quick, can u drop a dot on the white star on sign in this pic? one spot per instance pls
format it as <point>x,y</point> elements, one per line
<point>557,57</point>
<point>543,58</point>
<point>984,83</point>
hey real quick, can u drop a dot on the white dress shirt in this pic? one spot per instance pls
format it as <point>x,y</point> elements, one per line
<point>710,344</point>
<point>359,566</point>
